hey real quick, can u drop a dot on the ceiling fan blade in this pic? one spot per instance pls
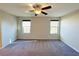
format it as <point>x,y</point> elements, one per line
<point>31,10</point>
<point>47,7</point>
<point>36,14</point>
<point>44,13</point>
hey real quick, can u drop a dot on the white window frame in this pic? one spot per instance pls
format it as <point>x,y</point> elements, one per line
<point>23,30</point>
<point>51,26</point>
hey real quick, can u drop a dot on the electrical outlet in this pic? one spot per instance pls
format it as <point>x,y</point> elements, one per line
<point>10,41</point>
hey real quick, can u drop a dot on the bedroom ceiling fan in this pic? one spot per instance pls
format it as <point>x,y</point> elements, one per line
<point>38,9</point>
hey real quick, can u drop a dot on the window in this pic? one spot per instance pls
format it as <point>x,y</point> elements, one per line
<point>26,24</point>
<point>54,25</point>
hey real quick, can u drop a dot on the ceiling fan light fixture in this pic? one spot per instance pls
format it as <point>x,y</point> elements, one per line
<point>37,11</point>
<point>39,8</point>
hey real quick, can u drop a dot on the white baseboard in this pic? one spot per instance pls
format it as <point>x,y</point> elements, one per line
<point>71,46</point>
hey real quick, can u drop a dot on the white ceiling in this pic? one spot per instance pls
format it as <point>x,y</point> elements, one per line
<point>20,9</point>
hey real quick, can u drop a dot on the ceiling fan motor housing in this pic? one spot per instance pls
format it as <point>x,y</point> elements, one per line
<point>37,6</point>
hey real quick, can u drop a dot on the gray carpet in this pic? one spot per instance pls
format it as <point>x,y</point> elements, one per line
<point>38,48</point>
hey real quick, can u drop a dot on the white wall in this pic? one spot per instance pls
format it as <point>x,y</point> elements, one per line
<point>0,33</point>
<point>8,28</point>
<point>40,28</point>
<point>70,30</point>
